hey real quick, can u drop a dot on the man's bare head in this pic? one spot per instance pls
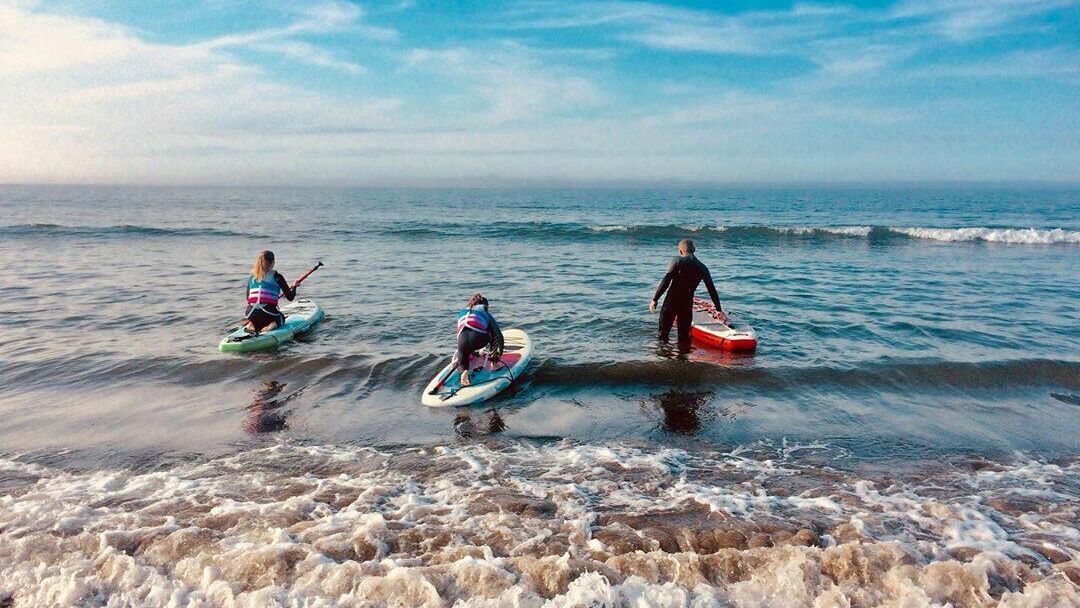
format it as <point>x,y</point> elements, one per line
<point>686,247</point>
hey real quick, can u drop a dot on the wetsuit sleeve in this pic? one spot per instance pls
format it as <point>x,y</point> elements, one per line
<point>288,292</point>
<point>496,335</point>
<point>665,282</point>
<point>707,279</point>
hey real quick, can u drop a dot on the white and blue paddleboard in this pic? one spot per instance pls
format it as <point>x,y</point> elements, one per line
<point>300,317</point>
<point>487,378</point>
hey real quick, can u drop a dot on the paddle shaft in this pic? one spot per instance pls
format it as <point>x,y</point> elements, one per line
<point>306,275</point>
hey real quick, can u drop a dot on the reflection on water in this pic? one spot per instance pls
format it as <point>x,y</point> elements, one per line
<point>465,427</point>
<point>683,411</point>
<point>702,354</point>
<point>677,350</point>
<point>1066,398</point>
<point>265,413</point>
<point>717,356</point>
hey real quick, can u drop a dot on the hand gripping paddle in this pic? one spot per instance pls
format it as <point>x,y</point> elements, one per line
<point>306,275</point>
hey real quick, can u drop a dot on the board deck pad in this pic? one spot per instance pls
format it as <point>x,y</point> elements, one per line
<point>483,370</point>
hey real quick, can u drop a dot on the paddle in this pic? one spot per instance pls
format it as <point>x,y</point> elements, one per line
<point>306,275</point>
<point>707,307</point>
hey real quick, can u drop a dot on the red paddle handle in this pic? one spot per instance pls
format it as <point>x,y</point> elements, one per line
<point>306,275</point>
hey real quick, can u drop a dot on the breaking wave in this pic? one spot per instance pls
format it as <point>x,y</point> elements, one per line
<point>533,525</point>
<point>409,370</point>
<point>1021,236</point>
<point>738,234</point>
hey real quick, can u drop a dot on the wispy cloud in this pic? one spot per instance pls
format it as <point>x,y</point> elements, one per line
<point>515,83</point>
<point>1057,63</point>
<point>673,28</point>
<point>308,53</point>
<point>838,38</point>
<point>326,17</point>
<point>968,19</point>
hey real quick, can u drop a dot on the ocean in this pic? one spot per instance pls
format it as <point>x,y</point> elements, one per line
<point>907,433</point>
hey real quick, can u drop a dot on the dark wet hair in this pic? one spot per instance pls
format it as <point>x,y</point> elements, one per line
<point>478,299</point>
<point>688,245</point>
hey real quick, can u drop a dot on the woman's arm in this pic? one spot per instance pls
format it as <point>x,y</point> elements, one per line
<point>497,343</point>
<point>286,290</point>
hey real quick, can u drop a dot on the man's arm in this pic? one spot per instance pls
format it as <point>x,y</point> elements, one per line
<point>665,282</point>
<point>707,278</point>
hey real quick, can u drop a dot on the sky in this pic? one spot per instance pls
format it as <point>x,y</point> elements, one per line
<point>425,92</point>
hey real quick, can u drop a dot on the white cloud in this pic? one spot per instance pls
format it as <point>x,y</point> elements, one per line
<point>85,99</point>
<point>70,43</point>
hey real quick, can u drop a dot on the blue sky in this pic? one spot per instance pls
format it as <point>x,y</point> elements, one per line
<point>536,91</point>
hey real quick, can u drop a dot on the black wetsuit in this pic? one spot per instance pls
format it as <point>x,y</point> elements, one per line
<point>683,276</point>
<point>469,341</point>
<point>262,315</point>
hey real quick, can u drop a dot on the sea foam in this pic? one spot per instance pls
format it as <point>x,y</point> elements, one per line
<point>529,525</point>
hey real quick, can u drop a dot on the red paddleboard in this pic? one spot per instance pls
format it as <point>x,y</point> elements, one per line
<point>721,331</point>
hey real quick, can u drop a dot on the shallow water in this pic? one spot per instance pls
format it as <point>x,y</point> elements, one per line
<point>906,432</point>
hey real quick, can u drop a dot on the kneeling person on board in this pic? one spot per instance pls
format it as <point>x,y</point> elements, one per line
<point>684,273</point>
<point>476,328</point>
<point>265,288</point>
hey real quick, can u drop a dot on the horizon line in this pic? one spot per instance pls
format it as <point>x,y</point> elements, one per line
<point>514,184</point>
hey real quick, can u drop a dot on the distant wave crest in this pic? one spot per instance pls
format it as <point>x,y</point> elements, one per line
<point>1016,236</point>
<point>570,231</point>
<point>59,230</point>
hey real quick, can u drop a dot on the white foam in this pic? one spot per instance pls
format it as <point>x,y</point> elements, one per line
<point>1023,236</point>
<point>521,525</point>
<point>855,231</point>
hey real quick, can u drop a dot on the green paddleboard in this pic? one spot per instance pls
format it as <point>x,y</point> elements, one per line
<point>300,317</point>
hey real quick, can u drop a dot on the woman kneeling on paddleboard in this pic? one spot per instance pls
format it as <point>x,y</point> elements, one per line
<point>265,288</point>
<point>476,328</point>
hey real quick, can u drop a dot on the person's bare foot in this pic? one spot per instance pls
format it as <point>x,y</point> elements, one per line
<point>465,378</point>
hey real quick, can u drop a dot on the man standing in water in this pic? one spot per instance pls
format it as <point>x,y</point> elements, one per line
<point>683,276</point>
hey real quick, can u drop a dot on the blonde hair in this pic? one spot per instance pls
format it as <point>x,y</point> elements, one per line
<point>263,264</point>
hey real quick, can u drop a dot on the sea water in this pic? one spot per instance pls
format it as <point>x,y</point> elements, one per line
<point>905,435</point>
